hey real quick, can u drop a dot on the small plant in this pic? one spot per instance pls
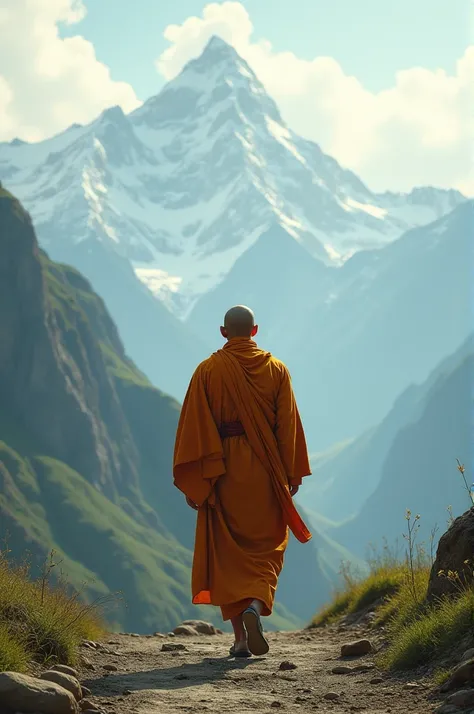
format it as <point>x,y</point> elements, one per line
<point>413,527</point>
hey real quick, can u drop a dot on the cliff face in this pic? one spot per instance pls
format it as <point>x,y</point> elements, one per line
<point>52,372</point>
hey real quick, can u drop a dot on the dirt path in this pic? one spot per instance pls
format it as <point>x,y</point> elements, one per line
<point>203,678</point>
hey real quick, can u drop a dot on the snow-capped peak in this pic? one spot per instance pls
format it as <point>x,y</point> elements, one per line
<point>189,181</point>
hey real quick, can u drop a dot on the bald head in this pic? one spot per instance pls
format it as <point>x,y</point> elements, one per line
<point>239,321</point>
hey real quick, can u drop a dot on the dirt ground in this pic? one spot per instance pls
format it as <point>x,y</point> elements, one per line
<point>202,677</point>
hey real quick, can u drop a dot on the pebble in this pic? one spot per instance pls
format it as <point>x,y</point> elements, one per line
<point>331,696</point>
<point>110,667</point>
<point>376,680</point>
<point>275,705</point>
<point>363,667</point>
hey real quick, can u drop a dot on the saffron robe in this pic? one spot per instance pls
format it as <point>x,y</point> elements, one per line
<point>241,483</point>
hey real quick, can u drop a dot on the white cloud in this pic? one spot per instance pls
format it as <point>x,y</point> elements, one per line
<point>419,131</point>
<point>46,82</point>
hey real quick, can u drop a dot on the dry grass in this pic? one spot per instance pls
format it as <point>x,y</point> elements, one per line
<point>39,620</point>
<point>386,577</point>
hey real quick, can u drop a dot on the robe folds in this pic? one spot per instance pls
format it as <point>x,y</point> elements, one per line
<point>240,483</point>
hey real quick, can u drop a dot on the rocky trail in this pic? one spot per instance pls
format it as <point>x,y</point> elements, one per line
<point>304,672</point>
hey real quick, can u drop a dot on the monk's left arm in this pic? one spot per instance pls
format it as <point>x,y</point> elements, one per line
<point>289,433</point>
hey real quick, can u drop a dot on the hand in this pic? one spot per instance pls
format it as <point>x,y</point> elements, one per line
<point>294,490</point>
<point>191,504</point>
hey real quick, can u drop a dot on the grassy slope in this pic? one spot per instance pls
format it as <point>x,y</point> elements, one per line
<point>417,634</point>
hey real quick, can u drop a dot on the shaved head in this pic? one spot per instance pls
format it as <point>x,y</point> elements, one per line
<point>239,321</point>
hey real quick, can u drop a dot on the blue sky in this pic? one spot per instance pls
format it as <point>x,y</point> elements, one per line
<point>371,39</point>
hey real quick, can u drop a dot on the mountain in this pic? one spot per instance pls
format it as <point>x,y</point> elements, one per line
<point>188,182</point>
<point>390,317</point>
<point>86,447</point>
<point>415,451</point>
<point>277,278</point>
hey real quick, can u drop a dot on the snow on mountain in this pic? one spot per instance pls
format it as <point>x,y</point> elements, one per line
<point>185,184</point>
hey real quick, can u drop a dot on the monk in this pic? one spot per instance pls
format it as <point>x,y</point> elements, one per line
<point>240,457</point>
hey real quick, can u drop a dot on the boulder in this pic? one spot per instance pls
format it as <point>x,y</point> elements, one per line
<point>455,553</point>
<point>64,680</point>
<point>22,693</point>
<point>187,630</point>
<point>204,628</point>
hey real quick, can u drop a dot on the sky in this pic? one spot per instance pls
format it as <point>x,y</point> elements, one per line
<point>387,88</point>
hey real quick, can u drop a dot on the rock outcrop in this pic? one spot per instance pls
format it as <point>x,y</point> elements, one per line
<point>455,554</point>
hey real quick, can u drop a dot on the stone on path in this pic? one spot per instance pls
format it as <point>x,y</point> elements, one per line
<point>342,670</point>
<point>332,696</point>
<point>110,667</point>
<point>67,681</point>
<point>357,648</point>
<point>172,647</point>
<point>286,666</point>
<point>64,668</point>
<point>26,694</point>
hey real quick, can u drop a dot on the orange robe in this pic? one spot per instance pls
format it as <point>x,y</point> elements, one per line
<point>240,483</point>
